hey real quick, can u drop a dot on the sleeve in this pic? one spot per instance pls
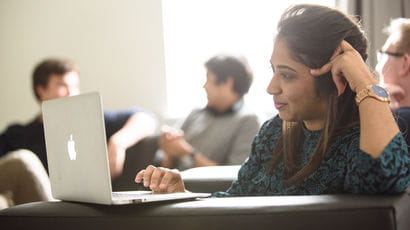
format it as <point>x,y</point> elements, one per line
<point>3,145</point>
<point>241,144</point>
<point>10,139</point>
<point>115,120</point>
<point>388,173</point>
<point>402,117</point>
<point>186,123</point>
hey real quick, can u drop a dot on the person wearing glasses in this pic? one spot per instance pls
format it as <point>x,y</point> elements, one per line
<point>394,67</point>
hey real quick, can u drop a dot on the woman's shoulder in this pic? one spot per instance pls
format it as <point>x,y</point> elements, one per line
<point>269,132</point>
<point>271,125</point>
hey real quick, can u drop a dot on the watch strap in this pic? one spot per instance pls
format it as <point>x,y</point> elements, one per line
<point>368,92</point>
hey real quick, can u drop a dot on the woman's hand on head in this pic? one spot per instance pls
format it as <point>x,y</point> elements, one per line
<point>161,180</point>
<point>346,64</point>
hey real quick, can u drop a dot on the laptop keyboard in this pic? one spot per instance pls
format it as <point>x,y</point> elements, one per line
<point>129,195</point>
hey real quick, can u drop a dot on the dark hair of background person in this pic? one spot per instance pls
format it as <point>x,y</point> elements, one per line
<point>48,67</point>
<point>236,68</point>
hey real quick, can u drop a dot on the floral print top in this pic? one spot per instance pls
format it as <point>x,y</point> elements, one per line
<point>345,169</point>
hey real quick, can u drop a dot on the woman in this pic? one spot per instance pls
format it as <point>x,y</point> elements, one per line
<point>334,133</point>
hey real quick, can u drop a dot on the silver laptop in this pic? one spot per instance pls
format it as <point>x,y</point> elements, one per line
<point>77,154</point>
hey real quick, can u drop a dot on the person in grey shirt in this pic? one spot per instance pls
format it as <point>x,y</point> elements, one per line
<point>222,132</point>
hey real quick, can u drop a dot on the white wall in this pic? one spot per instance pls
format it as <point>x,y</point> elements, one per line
<point>118,46</point>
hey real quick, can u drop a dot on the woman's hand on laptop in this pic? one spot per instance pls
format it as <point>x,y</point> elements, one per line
<point>161,180</point>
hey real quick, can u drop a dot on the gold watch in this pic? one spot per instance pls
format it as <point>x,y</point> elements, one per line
<point>374,91</point>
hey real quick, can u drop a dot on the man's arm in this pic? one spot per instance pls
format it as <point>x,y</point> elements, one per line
<point>137,127</point>
<point>175,147</point>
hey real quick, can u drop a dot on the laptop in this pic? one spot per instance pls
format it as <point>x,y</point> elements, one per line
<point>77,154</point>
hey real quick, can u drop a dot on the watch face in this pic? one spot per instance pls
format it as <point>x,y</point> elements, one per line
<point>379,91</point>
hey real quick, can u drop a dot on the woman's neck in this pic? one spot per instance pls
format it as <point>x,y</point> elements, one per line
<point>314,125</point>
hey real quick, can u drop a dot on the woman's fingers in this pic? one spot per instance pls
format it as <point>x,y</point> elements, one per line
<point>161,180</point>
<point>147,175</point>
<point>140,176</point>
<point>170,181</point>
<point>156,178</point>
<point>334,66</point>
<point>342,48</point>
<point>322,70</point>
<point>338,79</point>
<point>345,46</point>
<point>337,52</point>
<point>347,68</point>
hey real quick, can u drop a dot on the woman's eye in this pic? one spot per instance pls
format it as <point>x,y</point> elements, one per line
<point>285,76</point>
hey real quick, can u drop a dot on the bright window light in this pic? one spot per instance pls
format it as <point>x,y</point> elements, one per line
<point>194,31</point>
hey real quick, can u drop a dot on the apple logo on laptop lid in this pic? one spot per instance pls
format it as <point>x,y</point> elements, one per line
<point>72,154</point>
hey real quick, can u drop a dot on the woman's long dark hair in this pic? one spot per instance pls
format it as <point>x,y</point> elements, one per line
<point>313,33</point>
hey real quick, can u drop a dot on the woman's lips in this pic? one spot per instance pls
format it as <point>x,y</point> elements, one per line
<point>279,106</point>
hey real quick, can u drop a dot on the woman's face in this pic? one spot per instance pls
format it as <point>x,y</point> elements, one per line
<point>293,90</point>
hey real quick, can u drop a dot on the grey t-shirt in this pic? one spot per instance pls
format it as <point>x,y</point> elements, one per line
<point>224,138</point>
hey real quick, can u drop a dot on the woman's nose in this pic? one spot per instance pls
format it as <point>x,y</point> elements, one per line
<point>273,87</point>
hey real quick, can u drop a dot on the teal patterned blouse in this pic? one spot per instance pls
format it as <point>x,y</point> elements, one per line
<point>345,169</point>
